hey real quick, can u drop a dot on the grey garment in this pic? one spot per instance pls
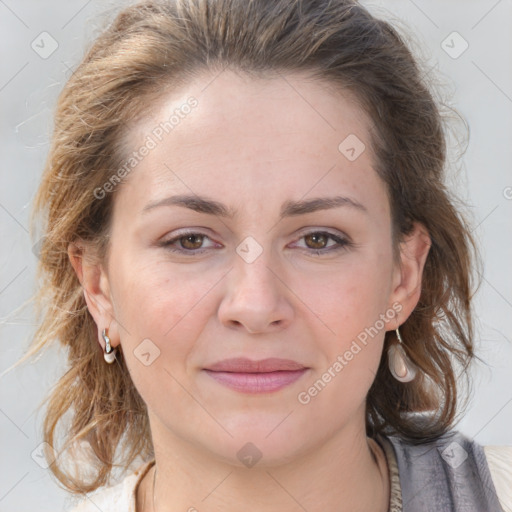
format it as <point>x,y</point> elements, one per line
<point>449,474</point>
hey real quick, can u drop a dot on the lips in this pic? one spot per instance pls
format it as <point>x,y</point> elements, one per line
<point>248,376</point>
<point>243,365</point>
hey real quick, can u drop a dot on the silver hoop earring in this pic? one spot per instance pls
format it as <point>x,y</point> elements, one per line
<point>400,366</point>
<point>110,353</point>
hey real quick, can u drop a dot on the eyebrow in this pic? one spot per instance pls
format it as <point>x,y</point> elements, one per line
<point>289,208</point>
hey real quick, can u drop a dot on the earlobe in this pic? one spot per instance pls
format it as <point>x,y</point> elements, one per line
<point>414,250</point>
<point>95,288</point>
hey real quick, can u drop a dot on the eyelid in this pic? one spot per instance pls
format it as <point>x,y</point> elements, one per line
<point>341,240</point>
<point>182,234</point>
<point>328,231</point>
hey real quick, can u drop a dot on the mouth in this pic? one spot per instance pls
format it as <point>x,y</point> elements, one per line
<point>248,376</point>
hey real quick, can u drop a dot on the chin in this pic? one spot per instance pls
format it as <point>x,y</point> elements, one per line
<point>257,454</point>
<point>259,441</point>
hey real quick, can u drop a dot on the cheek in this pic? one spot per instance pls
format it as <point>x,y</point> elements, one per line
<point>349,299</point>
<point>162,312</point>
<point>352,305</point>
<point>157,297</point>
<point>351,308</point>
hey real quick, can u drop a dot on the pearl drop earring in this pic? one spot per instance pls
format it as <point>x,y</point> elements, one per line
<point>400,366</point>
<point>109,353</point>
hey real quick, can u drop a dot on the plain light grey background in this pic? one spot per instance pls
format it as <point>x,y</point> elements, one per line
<point>469,44</point>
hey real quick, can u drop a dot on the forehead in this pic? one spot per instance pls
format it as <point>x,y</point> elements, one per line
<point>229,133</point>
<point>231,106</point>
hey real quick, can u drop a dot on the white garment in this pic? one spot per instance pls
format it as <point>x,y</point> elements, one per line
<point>499,459</point>
<point>118,498</point>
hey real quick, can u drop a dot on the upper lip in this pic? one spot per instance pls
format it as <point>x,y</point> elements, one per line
<point>244,365</point>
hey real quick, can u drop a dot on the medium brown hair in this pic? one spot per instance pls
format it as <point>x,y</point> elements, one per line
<point>152,47</point>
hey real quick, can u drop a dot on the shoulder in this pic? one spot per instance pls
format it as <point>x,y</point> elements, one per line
<point>452,448</point>
<point>117,498</point>
<point>456,466</point>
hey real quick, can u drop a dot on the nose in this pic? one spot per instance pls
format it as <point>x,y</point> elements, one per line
<point>257,298</point>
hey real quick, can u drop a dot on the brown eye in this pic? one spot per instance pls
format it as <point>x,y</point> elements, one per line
<point>191,242</point>
<point>319,243</point>
<point>318,240</point>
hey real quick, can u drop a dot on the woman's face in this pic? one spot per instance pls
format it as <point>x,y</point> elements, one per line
<point>254,228</point>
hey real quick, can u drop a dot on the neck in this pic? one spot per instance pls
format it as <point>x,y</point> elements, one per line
<point>349,472</point>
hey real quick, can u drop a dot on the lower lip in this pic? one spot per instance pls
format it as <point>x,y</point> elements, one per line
<point>257,382</point>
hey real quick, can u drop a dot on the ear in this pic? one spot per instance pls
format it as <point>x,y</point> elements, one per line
<point>407,274</point>
<point>95,284</point>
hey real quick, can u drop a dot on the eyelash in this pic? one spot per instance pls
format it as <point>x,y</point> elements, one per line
<point>342,243</point>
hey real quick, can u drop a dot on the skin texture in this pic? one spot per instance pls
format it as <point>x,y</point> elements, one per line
<point>253,145</point>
